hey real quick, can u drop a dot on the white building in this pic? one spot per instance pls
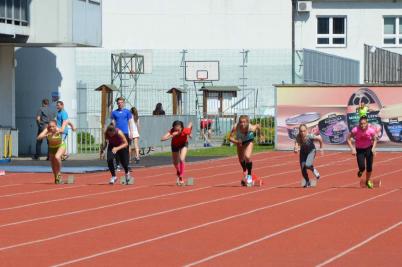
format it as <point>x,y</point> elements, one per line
<point>27,77</point>
<point>342,27</point>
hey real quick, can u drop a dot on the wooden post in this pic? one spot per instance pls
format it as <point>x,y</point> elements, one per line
<point>174,99</point>
<point>104,108</point>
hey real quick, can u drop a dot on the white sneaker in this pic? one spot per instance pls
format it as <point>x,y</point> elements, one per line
<point>249,180</point>
<point>113,180</point>
<point>316,173</point>
<point>129,178</point>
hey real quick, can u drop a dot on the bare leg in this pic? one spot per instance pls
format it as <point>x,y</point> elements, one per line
<point>248,150</point>
<point>137,148</point>
<point>240,155</point>
<point>176,161</point>
<point>57,160</point>
<point>183,154</point>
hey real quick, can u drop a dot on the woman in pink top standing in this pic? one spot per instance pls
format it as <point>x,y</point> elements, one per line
<point>365,138</point>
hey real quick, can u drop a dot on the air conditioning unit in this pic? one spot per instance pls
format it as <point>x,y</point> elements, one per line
<point>304,6</point>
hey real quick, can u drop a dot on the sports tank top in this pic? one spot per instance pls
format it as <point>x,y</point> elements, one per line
<point>243,137</point>
<point>55,140</point>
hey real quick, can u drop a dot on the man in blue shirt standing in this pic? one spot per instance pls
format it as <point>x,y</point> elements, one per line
<point>121,119</point>
<point>63,122</point>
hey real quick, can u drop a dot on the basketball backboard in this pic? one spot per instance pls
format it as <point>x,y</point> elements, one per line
<point>202,70</point>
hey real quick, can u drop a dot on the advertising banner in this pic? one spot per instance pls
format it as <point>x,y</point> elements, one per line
<point>331,112</point>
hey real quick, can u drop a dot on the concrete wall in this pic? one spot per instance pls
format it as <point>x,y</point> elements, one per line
<point>193,24</point>
<point>7,88</point>
<point>364,25</point>
<point>65,23</point>
<point>40,73</point>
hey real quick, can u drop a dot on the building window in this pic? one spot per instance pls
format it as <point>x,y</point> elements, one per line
<point>392,31</point>
<point>331,31</point>
<point>14,12</point>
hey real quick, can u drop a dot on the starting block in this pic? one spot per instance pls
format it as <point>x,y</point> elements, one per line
<point>124,182</point>
<point>376,182</point>
<point>313,182</point>
<point>257,181</point>
<point>70,180</point>
<point>190,181</point>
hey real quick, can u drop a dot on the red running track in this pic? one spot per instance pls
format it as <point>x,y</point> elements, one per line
<point>216,222</point>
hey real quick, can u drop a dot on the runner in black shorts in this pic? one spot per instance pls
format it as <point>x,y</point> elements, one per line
<point>305,144</point>
<point>242,135</point>
<point>179,136</point>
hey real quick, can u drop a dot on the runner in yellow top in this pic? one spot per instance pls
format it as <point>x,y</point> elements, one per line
<point>363,110</point>
<point>57,147</point>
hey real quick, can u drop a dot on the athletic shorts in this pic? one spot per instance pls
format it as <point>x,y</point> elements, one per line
<point>53,150</point>
<point>178,148</point>
<point>247,142</point>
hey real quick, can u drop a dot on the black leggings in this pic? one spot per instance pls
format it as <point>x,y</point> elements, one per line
<point>123,156</point>
<point>306,162</point>
<point>364,159</point>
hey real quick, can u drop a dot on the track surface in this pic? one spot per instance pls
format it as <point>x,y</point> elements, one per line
<point>214,223</point>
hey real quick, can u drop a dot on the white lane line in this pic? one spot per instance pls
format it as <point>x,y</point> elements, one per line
<point>129,189</point>
<point>343,253</point>
<point>226,219</point>
<point>131,201</point>
<point>169,211</point>
<point>264,238</point>
<point>40,191</point>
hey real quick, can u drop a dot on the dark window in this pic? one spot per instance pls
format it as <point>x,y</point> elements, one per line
<point>322,40</point>
<point>323,25</point>
<point>338,25</point>
<point>338,40</point>
<point>17,9</point>
<point>9,9</point>
<point>2,8</point>
<point>389,41</point>
<point>24,10</point>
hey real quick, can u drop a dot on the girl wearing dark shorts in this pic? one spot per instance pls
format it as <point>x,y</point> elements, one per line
<point>305,144</point>
<point>179,136</point>
<point>242,135</point>
<point>117,146</point>
<point>365,138</point>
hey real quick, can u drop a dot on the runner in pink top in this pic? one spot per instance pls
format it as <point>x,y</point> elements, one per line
<point>365,138</point>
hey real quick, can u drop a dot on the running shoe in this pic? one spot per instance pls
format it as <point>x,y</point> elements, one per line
<point>307,184</point>
<point>243,183</point>
<point>180,181</point>
<point>113,180</point>
<point>359,174</point>
<point>129,179</point>
<point>57,179</point>
<point>316,174</point>
<point>249,180</point>
<point>370,184</point>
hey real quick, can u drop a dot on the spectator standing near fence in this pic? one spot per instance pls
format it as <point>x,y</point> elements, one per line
<point>135,121</point>
<point>158,110</point>
<point>62,124</point>
<point>43,116</point>
<point>121,119</point>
